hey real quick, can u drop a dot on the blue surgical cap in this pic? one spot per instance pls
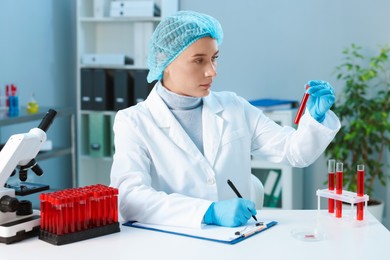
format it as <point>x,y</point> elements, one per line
<point>174,34</point>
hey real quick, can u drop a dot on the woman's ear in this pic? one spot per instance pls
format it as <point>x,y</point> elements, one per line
<point>166,72</point>
<point>167,69</point>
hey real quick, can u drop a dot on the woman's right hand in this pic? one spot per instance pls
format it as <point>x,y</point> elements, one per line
<point>230,213</point>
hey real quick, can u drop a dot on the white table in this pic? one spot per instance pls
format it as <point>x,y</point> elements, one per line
<point>343,239</point>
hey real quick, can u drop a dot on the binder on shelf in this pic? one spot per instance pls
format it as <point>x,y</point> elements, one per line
<point>86,89</point>
<point>141,87</point>
<point>100,8</point>
<point>226,235</point>
<point>269,186</point>
<point>102,90</point>
<point>112,144</point>
<point>268,104</point>
<point>106,59</point>
<point>99,135</point>
<point>134,8</point>
<point>142,33</point>
<point>276,195</point>
<point>123,90</point>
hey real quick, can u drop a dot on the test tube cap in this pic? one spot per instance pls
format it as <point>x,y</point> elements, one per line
<point>331,165</point>
<point>339,167</point>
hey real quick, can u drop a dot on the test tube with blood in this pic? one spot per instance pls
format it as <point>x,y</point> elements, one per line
<point>96,208</point>
<point>72,216</point>
<point>339,188</point>
<point>360,191</point>
<point>65,214</point>
<point>109,205</point>
<point>106,206</point>
<point>103,209</point>
<point>115,205</point>
<point>331,178</point>
<point>59,216</point>
<point>302,106</point>
<point>88,216</point>
<point>81,216</point>
<point>43,207</point>
<point>83,211</point>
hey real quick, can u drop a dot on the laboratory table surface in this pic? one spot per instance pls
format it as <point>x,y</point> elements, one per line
<point>343,238</point>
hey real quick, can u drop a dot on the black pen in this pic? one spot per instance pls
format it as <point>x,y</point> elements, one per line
<point>237,193</point>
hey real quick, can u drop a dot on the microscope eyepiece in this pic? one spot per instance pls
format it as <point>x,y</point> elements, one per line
<point>47,120</point>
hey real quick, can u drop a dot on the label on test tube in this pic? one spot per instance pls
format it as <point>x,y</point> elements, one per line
<point>339,188</point>
<point>331,181</point>
<point>360,191</point>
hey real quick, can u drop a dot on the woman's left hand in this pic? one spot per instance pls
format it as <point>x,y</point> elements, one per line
<point>321,99</point>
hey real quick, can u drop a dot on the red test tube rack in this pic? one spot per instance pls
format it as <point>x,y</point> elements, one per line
<point>346,196</point>
<point>77,214</point>
<point>339,195</point>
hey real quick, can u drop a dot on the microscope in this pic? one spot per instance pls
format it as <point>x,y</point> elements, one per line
<point>17,218</point>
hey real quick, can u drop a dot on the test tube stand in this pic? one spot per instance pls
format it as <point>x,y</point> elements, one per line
<point>346,196</point>
<point>59,240</point>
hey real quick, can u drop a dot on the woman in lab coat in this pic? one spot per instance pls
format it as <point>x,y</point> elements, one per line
<point>175,151</point>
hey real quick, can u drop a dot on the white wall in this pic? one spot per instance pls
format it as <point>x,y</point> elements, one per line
<point>271,48</point>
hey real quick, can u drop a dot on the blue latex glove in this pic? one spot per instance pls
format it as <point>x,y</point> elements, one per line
<point>230,213</point>
<point>321,99</point>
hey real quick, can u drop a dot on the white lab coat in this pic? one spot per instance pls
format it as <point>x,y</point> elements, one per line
<point>163,178</point>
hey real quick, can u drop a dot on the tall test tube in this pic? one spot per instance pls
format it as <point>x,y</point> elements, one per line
<point>339,188</point>
<point>360,191</point>
<point>302,106</point>
<point>331,180</point>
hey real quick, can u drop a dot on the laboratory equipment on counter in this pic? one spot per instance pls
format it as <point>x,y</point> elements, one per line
<point>346,196</point>
<point>32,105</point>
<point>340,195</point>
<point>17,218</point>
<point>76,214</point>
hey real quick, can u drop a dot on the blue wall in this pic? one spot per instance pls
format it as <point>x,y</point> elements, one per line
<point>37,50</point>
<point>271,48</point>
<point>37,54</point>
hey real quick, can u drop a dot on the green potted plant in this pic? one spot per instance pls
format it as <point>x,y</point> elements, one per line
<point>363,108</point>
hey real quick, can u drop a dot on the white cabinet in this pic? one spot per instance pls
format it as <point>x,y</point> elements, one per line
<point>291,179</point>
<point>106,45</point>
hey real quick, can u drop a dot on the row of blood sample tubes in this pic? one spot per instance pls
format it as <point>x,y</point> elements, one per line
<point>335,172</point>
<point>78,209</point>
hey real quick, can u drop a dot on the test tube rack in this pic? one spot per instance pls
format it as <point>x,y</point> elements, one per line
<point>76,214</point>
<point>346,196</point>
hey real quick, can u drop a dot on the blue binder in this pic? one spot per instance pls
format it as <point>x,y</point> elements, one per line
<point>226,235</point>
<point>269,104</point>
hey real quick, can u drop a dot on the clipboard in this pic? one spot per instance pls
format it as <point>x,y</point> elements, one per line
<point>226,235</point>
